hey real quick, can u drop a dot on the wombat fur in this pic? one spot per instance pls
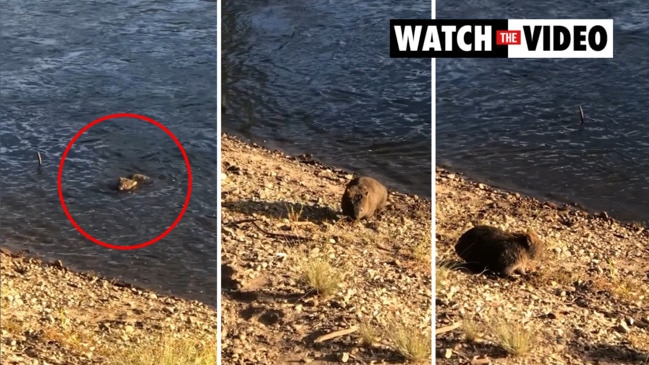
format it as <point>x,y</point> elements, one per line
<point>499,251</point>
<point>363,197</point>
<point>139,177</point>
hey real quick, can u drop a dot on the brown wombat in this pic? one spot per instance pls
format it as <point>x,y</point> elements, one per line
<point>496,250</point>
<point>131,182</point>
<point>363,197</point>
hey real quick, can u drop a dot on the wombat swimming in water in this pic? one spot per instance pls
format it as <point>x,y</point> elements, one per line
<point>496,250</point>
<point>363,197</point>
<point>129,183</point>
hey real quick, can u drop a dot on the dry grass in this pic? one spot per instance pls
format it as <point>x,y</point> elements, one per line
<point>169,350</point>
<point>513,337</point>
<point>292,214</point>
<point>421,252</point>
<point>368,333</point>
<point>70,335</point>
<point>321,276</point>
<point>166,349</point>
<point>470,329</point>
<point>443,279</point>
<point>625,286</point>
<point>412,344</point>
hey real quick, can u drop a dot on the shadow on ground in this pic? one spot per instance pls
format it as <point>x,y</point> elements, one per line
<point>282,209</point>
<point>618,354</point>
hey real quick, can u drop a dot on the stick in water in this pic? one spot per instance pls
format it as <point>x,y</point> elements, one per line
<point>581,115</point>
<point>40,160</point>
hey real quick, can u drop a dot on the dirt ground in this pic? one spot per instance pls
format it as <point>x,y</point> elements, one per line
<point>585,303</point>
<point>51,315</point>
<point>281,219</point>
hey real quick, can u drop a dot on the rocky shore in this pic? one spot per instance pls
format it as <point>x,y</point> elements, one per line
<point>587,302</point>
<point>302,284</point>
<point>52,315</point>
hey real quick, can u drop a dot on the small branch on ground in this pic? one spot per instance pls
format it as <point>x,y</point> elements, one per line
<point>336,334</point>
<point>447,328</point>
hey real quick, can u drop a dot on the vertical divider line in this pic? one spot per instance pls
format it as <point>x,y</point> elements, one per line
<point>218,180</point>
<point>433,136</point>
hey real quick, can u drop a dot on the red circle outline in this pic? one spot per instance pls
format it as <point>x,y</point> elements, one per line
<point>189,184</point>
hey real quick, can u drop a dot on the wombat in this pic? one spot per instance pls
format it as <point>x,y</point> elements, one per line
<point>499,251</point>
<point>129,183</point>
<point>363,197</point>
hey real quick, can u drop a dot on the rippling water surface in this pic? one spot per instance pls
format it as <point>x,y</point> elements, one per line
<point>515,122</point>
<point>316,77</point>
<point>64,64</point>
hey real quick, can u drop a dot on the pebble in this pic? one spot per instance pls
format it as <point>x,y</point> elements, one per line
<point>623,327</point>
<point>448,353</point>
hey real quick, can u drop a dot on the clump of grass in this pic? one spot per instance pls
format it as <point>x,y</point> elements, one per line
<point>294,215</point>
<point>413,345</point>
<point>321,276</point>
<point>169,350</point>
<point>470,329</point>
<point>165,349</point>
<point>368,333</point>
<point>421,251</point>
<point>66,333</point>
<point>514,338</point>
<point>623,287</point>
<point>443,287</point>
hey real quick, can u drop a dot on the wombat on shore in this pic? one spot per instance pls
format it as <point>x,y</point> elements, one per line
<point>496,250</point>
<point>363,197</point>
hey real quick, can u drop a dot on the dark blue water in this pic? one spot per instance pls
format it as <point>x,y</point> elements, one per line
<point>514,122</point>
<point>62,65</point>
<point>316,77</point>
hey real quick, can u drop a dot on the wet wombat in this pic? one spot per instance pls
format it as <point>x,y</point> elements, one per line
<point>496,250</point>
<point>130,182</point>
<point>363,197</point>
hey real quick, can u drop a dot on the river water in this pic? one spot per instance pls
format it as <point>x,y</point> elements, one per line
<point>515,123</point>
<point>66,63</point>
<point>316,77</point>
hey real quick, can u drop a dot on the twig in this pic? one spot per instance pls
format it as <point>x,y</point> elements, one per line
<point>447,328</point>
<point>582,118</point>
<point>280,235</point>
<point>480,360</point>
<point>335,334</point>
<point>236,223</point>
<point>40,160</point>
<point>301,223</point>
<point>270,234</point>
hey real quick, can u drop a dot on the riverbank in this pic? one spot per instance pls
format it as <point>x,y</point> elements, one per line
<point>52,315</point>
<point>294,271</point>
<point>585,304</point>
